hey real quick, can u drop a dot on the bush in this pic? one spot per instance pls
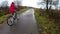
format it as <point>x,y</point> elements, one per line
<point>4,11</point>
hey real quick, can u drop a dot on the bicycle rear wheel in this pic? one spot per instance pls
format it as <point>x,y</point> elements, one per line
<point>10,21</point>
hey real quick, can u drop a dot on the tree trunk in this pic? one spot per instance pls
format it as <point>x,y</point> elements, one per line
<point>47,6</point>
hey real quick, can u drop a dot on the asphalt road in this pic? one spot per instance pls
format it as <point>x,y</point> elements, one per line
<point>25,25</point>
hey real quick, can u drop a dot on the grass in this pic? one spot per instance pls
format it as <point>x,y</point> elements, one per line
<point>4,18</point>
<point>47,26</point>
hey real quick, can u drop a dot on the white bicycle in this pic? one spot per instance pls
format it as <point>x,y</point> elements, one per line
<point>12,19</point>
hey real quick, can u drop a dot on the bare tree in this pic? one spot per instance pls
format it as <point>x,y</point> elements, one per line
<point>47,3</point>
<point>55,3</point>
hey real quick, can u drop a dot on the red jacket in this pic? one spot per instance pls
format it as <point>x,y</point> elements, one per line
<point>12,8</point>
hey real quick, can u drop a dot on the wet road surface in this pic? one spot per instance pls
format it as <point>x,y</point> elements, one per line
<point>25,25</point>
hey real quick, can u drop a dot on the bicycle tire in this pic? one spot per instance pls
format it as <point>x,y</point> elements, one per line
<point>10,21</point>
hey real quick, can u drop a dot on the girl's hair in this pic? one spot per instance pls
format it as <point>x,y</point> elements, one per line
<point>12,2</point>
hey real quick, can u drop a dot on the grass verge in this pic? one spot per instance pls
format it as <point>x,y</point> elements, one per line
<point>4,18</point>
<point>47,26</point>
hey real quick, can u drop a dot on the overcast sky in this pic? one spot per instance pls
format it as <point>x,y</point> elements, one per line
<point>32,3</point>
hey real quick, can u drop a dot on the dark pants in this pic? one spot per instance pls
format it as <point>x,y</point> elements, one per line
<point>14,14</point>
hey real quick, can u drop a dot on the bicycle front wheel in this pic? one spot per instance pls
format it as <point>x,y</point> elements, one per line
<point>10,21</point>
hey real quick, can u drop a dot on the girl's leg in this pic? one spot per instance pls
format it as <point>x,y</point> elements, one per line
<point>15,13</point>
